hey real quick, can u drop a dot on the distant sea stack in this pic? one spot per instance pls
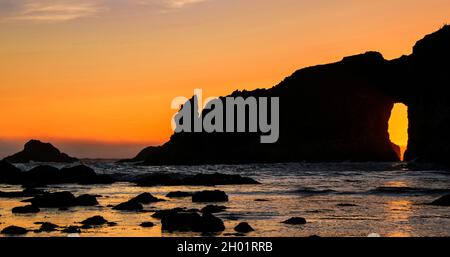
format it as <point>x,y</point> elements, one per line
<point>339,112</point>
<point>37,151</point>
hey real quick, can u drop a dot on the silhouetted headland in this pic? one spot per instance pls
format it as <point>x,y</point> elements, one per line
<point>339,112</point>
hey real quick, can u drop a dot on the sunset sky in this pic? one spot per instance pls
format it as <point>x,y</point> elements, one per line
<point>97,76</point>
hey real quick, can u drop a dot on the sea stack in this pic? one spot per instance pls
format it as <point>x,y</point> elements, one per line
<point>37,151</point>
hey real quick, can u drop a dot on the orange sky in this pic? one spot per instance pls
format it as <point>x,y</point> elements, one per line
<point>107,70</point>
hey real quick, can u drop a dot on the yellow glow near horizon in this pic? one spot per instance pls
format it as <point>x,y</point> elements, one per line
<point>398,125</point>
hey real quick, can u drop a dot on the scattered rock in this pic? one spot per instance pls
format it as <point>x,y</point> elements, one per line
<point>181,221</point>
<point>147,224</point>
<point>14,230</point>
<point>26,209</point>
<point>146,198</point>
<point>163,213</point>
<point>189,221</point>
<point>129,206</point>
<point>47,227</point>
<point>71,230</point>
<point>177,179</point>
<point>210,196</point>
<point>86,200</point>
<point>211,223</point>
<point>94,221</point>
<point>84,175</point>
<point>9,173</point>
<point>295,221</point>
<point>442,201</point>
<point>54,200</point>
<point>179,194</point>
<point>213,209</point>
<point>35,150</point>
<point>243,227</point>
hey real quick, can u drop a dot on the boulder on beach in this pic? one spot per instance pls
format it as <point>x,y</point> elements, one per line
<point>243,227</point>
<point>191,221</point>
<point>37,151</point>
<point>213,209</point>
<point>177,179</point>
<point>14,230</point>
<point>147,224</point>
<point>129,206</point>
<point>26,209</point>
<point>54,200</point>
<point>211,223</point>
<point>159,214</point>
<point>442,201</point>
<point>47,227</point>
<point>84,175</point>
<point>146,198</point>
<point>71,230</point>
<point>86,200</point>
<point>94,221</point>
<point>295,221</point>
<point>210,196</point>
<point>179,194</point>
<point>9,173</point>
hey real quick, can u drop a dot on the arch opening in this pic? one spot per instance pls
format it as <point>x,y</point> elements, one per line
<point>398,128</point>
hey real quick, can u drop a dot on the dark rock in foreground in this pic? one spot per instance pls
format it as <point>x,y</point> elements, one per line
<point>443,201</point>
<point>9,173</point>
<point>26,209</point>
<point>185,221</point>
<point>295,221</point>
<point>176,179</point>
<point>86,200</point>
<point>94,221</point>
<point>147,224</point>
<point>71,230</point>
<point>179,194</point>
<point>14,230</point>
<point>37,151</point>
<point>163,213</point>
<point>84,175</point>
<point>129,206</point>
<point>243,227</point>
<point>54,200</point>
<point>210,196</point>
<point>146,198</point>
<point>47,227</point>
<point>213,209</point>
<point>62,200</point>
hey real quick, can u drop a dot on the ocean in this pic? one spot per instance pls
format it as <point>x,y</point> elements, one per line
<point>336,199</point>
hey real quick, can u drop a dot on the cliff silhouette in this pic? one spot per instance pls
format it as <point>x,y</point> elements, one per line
<point>339,112</point>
